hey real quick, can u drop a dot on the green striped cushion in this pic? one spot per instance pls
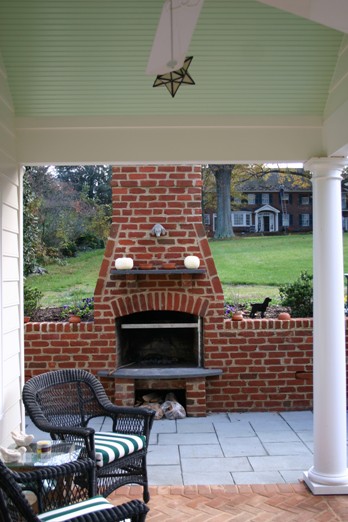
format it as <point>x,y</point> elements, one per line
<point>75,510</point>
<point>112,446</point>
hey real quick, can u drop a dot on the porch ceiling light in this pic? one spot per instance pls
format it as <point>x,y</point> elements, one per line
<point>174,79</point>
<point>168,58</point>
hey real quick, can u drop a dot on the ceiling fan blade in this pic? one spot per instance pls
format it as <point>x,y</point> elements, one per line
<point>173,36</point>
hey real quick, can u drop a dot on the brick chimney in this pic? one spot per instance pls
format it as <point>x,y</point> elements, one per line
<point>143,196</point>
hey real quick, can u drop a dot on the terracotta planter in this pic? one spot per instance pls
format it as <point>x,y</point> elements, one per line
<point>238,316</point>
<point>145,266</point>
<point>284,316</point>
<point>169,266</point>
<point>74,319</point>
<point>26,318</point>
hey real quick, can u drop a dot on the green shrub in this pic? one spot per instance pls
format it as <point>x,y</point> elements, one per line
<point>87,241</point>
<point>32,297</point>
<point>68,249</point>
<point>298,296</point>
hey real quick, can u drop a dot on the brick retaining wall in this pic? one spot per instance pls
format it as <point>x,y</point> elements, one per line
<point>267,364</point>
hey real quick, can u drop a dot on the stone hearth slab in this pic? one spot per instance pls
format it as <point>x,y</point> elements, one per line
<point>160,373</point>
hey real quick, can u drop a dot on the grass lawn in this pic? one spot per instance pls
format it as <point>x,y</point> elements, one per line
<point>262,260</point>
<point>250,268</point>
<point>65,283</point>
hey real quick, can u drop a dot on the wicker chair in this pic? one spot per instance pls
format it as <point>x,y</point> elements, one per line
<point>63,402</point>
<point>63,490</point>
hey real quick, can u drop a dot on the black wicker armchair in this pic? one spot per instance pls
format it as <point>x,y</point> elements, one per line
<point>64,492</point>
<point>63,402</point>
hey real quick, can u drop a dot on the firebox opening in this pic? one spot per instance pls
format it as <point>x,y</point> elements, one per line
<point>141,396</point>
<point>159,339</point>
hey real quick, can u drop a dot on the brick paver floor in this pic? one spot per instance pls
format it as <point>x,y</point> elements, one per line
<point>259,503</point>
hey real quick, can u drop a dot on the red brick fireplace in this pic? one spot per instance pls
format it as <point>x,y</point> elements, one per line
<point>157,306</point>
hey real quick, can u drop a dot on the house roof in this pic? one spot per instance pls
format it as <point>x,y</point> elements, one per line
<point>274,182</point>
<point>266,81</point>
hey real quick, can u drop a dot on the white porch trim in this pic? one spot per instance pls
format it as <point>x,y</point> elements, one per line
<point>329,474</point>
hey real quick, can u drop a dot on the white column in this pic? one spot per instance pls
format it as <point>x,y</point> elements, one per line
<point>329,474</point>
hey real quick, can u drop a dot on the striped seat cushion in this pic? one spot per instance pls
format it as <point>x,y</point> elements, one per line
<point>112,446</point>
<point>75,510</point>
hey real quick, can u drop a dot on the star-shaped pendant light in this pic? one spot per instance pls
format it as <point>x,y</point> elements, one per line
<point>168,59</point>
<point>174,79</point>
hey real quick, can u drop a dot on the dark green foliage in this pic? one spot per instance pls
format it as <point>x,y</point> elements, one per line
<point>31,237</point>
<point>68,249</point>
<point>298,295</point>
<point>32,297</point>
<point>89,241</point>
<point>92,180</point>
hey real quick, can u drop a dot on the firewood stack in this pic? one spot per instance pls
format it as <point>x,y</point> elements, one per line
<point>162,407</point>
<point>152,401</point>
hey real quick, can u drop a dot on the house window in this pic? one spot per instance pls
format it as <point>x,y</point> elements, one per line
<point>304,200</point>
<point>241,219</point>
<point>305,220</point>
<point>237,219</point>
<point>285,196</point>
<point>344,201</point>
<point>207,219</point>
<point>251,199</point>
<point>265,199</point>
<point>286,220</point>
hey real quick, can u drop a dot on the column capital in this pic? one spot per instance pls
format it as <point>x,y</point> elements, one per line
<point>325,164</point>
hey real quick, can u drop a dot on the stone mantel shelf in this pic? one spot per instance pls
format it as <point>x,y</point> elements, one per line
<point>160,373</point>
<point>157,271</point>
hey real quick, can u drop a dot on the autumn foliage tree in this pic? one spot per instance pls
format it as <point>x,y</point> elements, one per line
<point>68,216</point>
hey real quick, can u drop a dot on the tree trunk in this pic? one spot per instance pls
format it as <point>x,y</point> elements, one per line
<point>223,228</point>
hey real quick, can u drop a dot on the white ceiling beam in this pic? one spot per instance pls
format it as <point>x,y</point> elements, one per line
<point>191,140</point>
<point>331,13</point>
<point>173,35</point>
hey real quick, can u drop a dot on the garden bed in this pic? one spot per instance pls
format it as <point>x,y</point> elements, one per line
<point>55,314</point>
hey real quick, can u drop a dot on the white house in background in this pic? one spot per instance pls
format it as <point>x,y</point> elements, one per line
<point>73,90</point>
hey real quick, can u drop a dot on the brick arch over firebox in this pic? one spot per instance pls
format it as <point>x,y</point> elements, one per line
<point>171,301</point>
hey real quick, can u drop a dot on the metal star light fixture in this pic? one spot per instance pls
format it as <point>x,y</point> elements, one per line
<point>174,79</point>
<point>168,58</point>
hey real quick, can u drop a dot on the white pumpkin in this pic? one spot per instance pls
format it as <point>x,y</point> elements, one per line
<point>124,263</point>
<point>192,262</point>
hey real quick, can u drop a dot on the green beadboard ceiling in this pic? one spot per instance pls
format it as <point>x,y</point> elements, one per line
<point>88,58</point>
